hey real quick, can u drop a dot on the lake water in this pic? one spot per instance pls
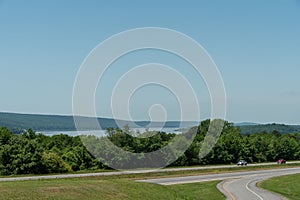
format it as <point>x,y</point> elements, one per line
<point>100,133</point>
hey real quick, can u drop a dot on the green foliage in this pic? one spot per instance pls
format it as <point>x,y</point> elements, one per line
<point>230,147</point>
<point>31,153</point>
<point>54,163</point>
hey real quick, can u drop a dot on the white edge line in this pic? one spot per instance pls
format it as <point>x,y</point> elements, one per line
<point>253,191</point>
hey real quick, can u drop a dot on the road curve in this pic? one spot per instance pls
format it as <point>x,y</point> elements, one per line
<point>236,185</point>
<point>245,187</point>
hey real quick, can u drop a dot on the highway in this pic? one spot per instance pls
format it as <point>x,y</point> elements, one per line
<point>114,173</point>
<point>245,187</point>
<point>236,185</point>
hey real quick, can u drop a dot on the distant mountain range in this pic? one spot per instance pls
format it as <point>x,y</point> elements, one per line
<point>269,128</point>
<point>245,124</point>
<point>37,122</point>
<point>18,122</point>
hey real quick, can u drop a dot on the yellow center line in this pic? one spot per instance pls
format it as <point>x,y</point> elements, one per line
<point>230,194</point>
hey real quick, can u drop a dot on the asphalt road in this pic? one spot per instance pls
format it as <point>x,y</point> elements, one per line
<point>236,185</point>
<point>129,172</point>
<point>245,187</point>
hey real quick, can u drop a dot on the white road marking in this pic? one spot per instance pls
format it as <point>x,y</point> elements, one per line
<point>253,191</point>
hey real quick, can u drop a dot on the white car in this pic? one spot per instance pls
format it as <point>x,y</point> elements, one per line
<point>242,163</point>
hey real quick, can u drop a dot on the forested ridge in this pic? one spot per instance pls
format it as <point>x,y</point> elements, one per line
<point>31,153</point>
<point>269,128</point>
<point>17,122</point>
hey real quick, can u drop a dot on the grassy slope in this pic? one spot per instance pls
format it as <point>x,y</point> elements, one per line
<point>105,189</point>
<point>123,187</point>
<point>288,186</point>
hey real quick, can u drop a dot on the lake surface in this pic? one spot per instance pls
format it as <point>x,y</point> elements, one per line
<point>100,133</point>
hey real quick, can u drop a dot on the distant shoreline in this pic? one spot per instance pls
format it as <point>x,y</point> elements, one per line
<point>103,132</point>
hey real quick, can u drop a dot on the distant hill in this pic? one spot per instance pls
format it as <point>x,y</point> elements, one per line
<point>17,122</point>
<point>269,128</point>
<point>245,124</point>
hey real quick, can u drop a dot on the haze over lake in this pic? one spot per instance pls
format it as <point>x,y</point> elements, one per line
<point>103,132</point>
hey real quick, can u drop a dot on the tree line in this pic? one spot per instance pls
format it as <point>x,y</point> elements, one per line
<point>32,153</point>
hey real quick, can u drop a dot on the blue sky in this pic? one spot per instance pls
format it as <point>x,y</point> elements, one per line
<point>255,44</point>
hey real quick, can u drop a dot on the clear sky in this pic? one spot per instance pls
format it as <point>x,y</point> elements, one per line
<point>255,44</point>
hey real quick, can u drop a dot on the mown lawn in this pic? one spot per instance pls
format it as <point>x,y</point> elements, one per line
<point>288,186</point>
<point>125,187</point>
<point>109,188</point>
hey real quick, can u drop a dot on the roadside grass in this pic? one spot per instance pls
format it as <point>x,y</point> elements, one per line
<point>93,188</point>
<point>160,174</point>
<point>288,186</point>
<point>122,186</point>
<point>151,175</point>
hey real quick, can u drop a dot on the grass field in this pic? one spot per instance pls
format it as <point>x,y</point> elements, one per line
<point>288,186</point>
<point>105,189</point>
<point>120,187</point>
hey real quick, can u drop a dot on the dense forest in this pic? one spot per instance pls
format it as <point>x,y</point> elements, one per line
<point>31,153</point>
